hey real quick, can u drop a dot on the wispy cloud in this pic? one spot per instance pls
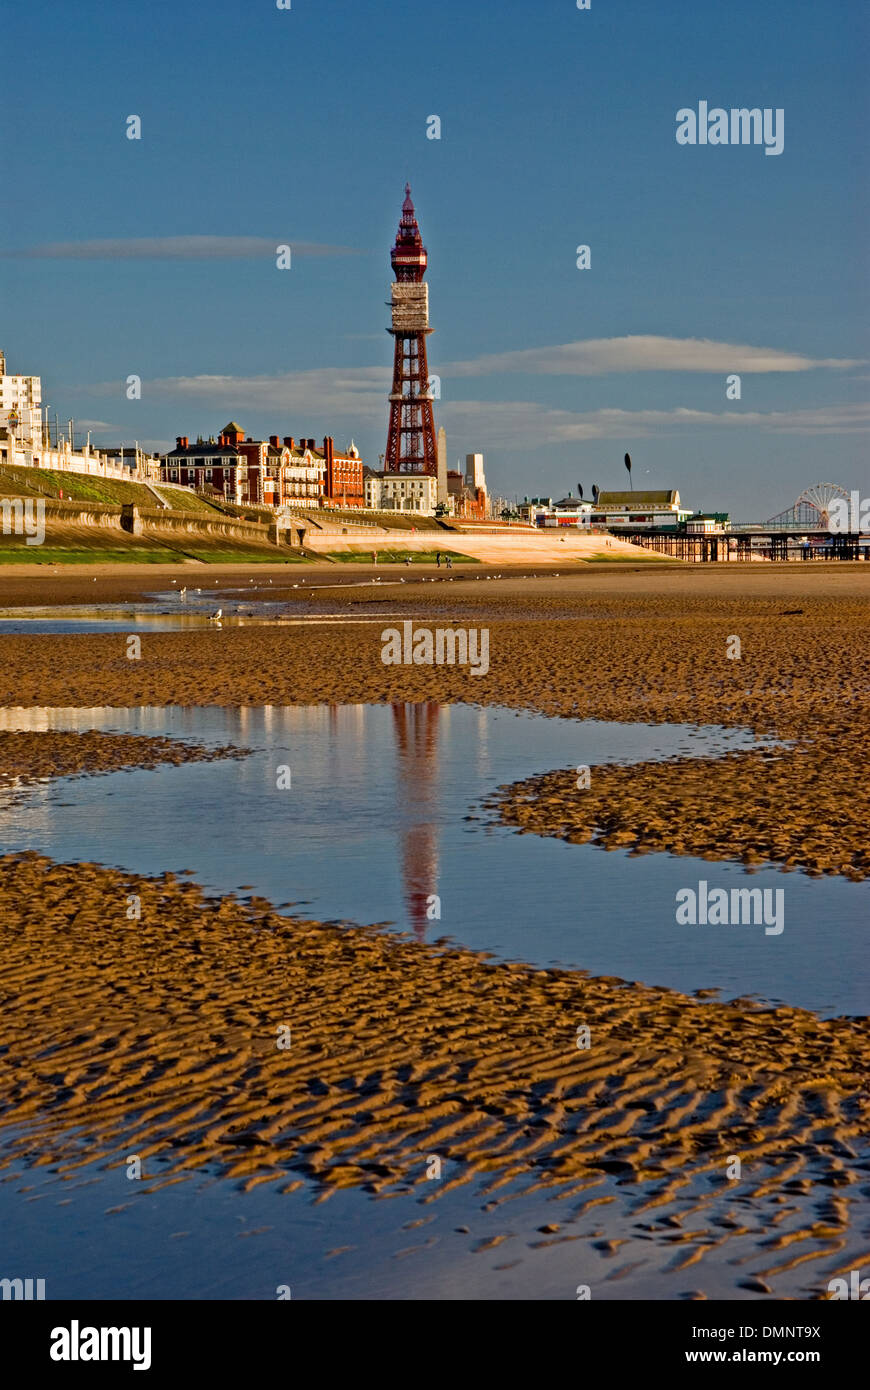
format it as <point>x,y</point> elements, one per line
<point>176,248</point>
<point>355,391</point>
<point>358,396</point>
<point>643,353</point>
<point>525,424</point>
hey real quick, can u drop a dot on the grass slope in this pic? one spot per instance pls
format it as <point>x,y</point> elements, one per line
<point>83,487</point>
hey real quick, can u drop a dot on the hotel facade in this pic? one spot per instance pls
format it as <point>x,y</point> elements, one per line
<point>275,472</point>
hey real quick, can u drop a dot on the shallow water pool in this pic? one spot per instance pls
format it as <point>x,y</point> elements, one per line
<point>380,822</point>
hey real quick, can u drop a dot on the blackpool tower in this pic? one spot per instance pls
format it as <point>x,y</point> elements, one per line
<point>411,435</point>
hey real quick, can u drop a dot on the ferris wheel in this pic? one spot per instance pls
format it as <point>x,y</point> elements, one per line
<point>814,504</point>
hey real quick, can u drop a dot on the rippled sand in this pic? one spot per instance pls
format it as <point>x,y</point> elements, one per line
<point>27,756</point>
<point>622,645</point>
<point>159,1037</point>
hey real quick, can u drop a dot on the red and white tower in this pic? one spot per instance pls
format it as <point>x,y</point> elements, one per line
<point>411,435</point>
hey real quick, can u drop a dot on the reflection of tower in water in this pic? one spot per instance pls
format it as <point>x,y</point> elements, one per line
<point>416,728</point>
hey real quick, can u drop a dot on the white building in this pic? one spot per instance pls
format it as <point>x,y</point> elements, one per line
<point>21,405</point>
<point>401,492</point>
<point>707,523</point>
<point>639,510</point>
<point>474,474</point>
<point>25,441</point>
<point>568,511</point>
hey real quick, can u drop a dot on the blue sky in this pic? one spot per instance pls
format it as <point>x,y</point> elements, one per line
<point>262,126</point>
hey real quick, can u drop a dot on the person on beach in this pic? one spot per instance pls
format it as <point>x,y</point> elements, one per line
<point>438,558</point>
<point>374,557</point>
<point>449,563</point>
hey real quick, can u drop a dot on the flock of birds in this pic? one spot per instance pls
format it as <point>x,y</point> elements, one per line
<point>219,613</point>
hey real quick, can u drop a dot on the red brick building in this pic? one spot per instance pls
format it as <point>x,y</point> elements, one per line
<point>344,476</point>
<point>468,501</point>
<point>208,465</point>
<point>271,473</point>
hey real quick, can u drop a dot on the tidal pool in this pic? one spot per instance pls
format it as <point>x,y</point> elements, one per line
<point>368,813</point>
<point>380,822</point>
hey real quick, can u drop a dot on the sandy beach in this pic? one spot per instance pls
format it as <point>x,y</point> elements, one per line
<point>28,757</point>
<point>158,1037</point>
<point>606,643</point>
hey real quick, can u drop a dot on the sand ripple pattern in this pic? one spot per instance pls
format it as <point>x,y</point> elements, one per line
<point>621,646</point>
<point>32,756</point>
<point>754,807</point>
<point>158,1037</point>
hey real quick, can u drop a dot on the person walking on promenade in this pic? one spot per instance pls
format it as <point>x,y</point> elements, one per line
<point>438,558</point>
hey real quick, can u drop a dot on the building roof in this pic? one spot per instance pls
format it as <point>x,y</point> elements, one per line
<point>667,497</point>
<point>232,428</point>
<point>202,450</point>
<point>572,502</point>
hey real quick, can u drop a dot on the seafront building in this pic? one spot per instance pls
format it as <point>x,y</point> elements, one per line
<point>707,523</point>
<point>275,472</point>
<point>445,493</point>
<point>21,405</point>
<point>467,492</point>
<point>638,510</point>
<point>611,511</point>
<point>25,437</point>
<point>401,492</point>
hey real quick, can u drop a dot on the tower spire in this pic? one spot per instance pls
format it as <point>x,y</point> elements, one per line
<point>411,433</point>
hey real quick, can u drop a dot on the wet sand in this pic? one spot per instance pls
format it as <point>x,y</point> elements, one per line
<point>750,807</point>
<point>602,644</point>
<point>160,1038</point>
<point>27,757</point>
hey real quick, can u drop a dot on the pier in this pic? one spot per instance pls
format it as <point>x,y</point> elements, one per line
<point>804,531</point>
<point>752,544</point>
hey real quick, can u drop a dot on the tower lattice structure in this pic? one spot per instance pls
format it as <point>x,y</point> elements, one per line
<point>411,434</point>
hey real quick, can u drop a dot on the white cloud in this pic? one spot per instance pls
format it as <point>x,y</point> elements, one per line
<point>356,391</point>
<point>524,424</point>
<point>358,395</point>
<point>642,353</point>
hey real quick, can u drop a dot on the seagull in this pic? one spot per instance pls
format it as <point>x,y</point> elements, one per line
<point>183,592</point>
<point>216,617</point>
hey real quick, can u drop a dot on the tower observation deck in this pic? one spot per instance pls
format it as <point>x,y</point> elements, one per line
<point>411,433</point>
